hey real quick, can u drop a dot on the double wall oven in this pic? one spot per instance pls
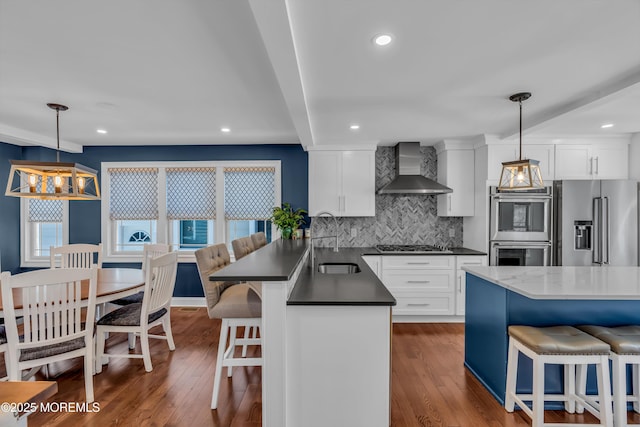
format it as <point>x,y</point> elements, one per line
<point>520,227</point>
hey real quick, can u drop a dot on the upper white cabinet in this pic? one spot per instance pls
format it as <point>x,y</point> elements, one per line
<point>499,153</point>
<point>342,182</point>
<point>456,171</point>
<point>592,161</point>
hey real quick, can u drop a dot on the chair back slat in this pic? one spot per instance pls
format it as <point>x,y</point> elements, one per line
<point>52,305</point>
<point>153,250</point>
<point>79,255</point>
<point>160,283</point>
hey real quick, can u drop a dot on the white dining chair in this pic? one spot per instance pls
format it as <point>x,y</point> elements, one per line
<point>149,251</point>
<point>55,323</point>
<point>138,318</point>
<point>77,255</point>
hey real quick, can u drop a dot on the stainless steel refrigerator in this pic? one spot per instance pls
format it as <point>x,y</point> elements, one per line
<point>595,222</point>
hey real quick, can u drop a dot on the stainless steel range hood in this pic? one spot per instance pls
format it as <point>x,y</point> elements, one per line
<point>408,179</point>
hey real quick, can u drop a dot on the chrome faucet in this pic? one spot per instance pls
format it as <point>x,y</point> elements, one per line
<point>335,248</point>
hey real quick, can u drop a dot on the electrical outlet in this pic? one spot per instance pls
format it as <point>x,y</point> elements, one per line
<point>354,232</point>
<point>452,232</point>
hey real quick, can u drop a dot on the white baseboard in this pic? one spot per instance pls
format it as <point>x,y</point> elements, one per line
<point>428,319</point>
<point>188,302</point>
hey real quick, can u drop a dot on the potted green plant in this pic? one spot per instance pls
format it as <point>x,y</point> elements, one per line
<point>287,220</point>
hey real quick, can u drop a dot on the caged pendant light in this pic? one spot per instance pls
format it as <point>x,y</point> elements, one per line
<point>520,174</point>
<point>52,180</point>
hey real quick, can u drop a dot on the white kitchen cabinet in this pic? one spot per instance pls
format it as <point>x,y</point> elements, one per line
<point>456,171</point>
<point>592,161</point>
<point>342,182</point>
<point>421,285</point>
<point>499,153</point>
<point>545,154</point>
<point>461,261</point>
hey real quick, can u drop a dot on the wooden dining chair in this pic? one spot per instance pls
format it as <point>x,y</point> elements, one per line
<point>149,251</point>
<point>3,349</point>
<point>55,324</point>
<point>237,304</point>
<point>78,255</point>
<point>138,318</point>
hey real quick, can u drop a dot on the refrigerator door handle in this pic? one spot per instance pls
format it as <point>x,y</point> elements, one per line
<point>606,243</point>
<point>597,230</point>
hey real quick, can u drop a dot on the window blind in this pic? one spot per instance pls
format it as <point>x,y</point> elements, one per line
<point>249,192</point>
<point>133,193</point>
<point>45,210</point>
<point>191,193</point>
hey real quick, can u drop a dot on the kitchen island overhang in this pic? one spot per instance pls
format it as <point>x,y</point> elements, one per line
<point>498,297</point>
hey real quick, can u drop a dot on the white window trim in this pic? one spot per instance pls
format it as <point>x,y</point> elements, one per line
<point>26,259</point>
<point>108,233</point>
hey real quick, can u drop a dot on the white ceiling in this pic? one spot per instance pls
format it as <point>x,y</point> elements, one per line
<point>300,71</point>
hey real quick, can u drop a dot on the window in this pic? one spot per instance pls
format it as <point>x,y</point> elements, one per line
<point>188,205</point>
<point>43,223</point>
<point>249,197</point>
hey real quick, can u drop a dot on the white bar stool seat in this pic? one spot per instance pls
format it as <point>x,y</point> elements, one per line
<point>562,345</point>
<point>625,350</point>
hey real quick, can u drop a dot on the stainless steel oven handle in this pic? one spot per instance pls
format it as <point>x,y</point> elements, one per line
<point>518,245</point>
<point>520,198</point>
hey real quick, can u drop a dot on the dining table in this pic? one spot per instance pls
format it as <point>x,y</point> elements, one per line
<point>113,283</point>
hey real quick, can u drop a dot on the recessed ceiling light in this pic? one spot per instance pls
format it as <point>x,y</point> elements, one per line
<point>382,39</point>
<point>354,127</point>
<point>225,130</point>
<point>102,131</point>
<point>606,126</point>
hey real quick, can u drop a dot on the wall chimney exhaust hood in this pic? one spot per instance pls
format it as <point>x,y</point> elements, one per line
<point>408,179</point>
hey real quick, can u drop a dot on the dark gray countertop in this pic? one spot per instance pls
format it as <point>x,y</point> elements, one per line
<point>363,288</point>
<point>276,261</point>
<point>454,251</point>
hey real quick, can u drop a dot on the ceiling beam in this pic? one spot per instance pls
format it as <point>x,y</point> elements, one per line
<point>601,95</point>
<point>274,24</point>
<point>21,137</point>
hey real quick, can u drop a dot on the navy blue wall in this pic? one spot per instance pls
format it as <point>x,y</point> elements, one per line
<point>9,214</point>
<point>84,217</point>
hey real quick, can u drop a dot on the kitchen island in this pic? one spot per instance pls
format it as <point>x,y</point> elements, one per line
<point>326,336</point>
<point>540,296</point>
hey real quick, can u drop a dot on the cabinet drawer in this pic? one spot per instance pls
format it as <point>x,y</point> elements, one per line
<point>416,303</point>
<point>471,260</point>
<point>416,261</point>
<point>430,280</point>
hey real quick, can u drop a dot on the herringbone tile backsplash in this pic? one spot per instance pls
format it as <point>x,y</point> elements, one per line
<point>400,219</point>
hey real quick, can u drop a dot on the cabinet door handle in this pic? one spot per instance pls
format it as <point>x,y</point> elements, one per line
<point>590,165</point>
<point>597,165</point>
<point>418,263</point>
<point>418,281</point>
<point>449,200</point>
<point>415,304</point>
<point>472,263</point>
<point>459,284</point>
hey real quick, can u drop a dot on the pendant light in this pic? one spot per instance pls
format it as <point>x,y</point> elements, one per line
<point>52,180</point>
<point>520,174</point>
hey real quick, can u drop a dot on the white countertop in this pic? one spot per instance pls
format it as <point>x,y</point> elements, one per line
<point>599,283</point>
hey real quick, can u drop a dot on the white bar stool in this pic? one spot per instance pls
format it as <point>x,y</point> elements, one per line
<point>562,345</point>
<point>625,350</point>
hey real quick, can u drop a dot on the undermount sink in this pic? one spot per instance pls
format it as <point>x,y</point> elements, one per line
<point>338,268</point>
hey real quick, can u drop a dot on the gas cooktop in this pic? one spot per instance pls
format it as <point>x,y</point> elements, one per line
<point>415,249</point>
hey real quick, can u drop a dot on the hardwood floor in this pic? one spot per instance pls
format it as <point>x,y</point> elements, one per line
<point>430,386</point>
